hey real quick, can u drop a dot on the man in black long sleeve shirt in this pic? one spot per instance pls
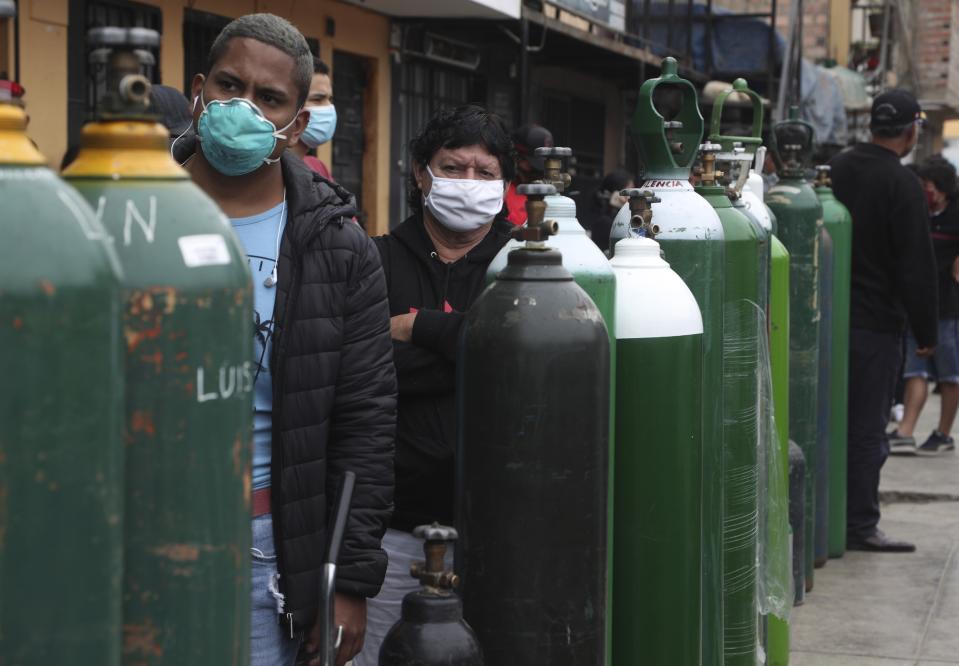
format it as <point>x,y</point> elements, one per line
<point>893,279</point>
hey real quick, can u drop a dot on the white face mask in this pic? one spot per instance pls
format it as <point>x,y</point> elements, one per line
<point>461,205</point>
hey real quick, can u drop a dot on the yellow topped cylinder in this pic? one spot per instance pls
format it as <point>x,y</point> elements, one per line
<point>15,147</point>
<point>125,149</point>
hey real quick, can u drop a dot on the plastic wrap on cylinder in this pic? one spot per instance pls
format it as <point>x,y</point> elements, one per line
<point>742,440</point>
<point>774,586</point>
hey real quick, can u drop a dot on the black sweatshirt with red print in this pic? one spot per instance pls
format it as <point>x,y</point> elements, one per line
<point>440,293</point>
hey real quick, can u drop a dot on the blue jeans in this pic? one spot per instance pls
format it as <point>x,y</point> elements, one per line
<point>385,610</point>
<point>270,645</point>
<point>944,364</point>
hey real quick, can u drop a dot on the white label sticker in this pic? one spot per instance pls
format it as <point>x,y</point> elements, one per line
<point>784,188</point>
<point>204,250</point>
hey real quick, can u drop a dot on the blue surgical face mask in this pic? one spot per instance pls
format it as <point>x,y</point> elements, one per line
<point>321,126</point>
<point>236,137</point>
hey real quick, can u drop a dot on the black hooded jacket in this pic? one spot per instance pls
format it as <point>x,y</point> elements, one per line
<point>425,369</point>
<point>334,392</point>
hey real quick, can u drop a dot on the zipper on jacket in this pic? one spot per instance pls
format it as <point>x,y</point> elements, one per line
<point>276,443</point>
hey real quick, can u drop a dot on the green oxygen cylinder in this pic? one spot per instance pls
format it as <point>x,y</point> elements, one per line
<point>590,270</point>
<point>799,214</point>
<point>777,636</point>
<point>735,160</point>
<point>658,473</point>
<point>61,447</point>
<point>738,155</point>
<point>690,233</point>
<point>838,223</point>
<point>777,629</point>
<point>186,312</point>
<point>742,326</point>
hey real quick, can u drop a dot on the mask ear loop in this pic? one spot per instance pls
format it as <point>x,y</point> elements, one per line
<point>188,128</point>
<point>278,134</point>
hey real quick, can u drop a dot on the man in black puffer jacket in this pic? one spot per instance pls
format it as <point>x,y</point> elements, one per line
<point>435,263</point>
<point>325,387</point>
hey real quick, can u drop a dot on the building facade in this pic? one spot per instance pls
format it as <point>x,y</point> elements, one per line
<point>62,87</point>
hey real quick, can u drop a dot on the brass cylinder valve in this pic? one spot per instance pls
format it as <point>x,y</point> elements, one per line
<point>641,211</point>
<point>537,228</point>
<point>122,51</point>
<point>708,175</point>
<point>554,174</point>
<point>823,178</point>
<point>670,126</point>
<point>432,572</point>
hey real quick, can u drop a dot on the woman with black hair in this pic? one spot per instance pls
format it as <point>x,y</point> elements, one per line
<point>435,263</point>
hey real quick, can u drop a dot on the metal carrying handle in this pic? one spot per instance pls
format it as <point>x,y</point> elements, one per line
<point>328,644</point>
<point>669,147</point>
<point>794,141</point>
<point>751,142</point>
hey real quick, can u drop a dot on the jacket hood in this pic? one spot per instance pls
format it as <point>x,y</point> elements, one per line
<point>412,233</point>
<point>310,197</point>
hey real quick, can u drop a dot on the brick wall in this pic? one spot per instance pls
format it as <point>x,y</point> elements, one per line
<point>815,21</point>
<point>932,61</point>
<point>932,45</point>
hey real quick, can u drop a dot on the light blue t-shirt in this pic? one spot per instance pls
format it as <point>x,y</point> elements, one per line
<point>259,235</point>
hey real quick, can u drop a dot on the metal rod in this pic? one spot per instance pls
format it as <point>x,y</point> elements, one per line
<point>799,50</point>
<point>669,24</point>
<point>646,20</point>
<point>524,71</point>
<point>16,44</point>
<point>771,53</point>
<point>786,73</point>
<point>884,45</point>
<point>709,38</point>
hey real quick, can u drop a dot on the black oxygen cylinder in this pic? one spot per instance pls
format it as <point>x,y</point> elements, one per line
<point>432,631</point>
<point>532,462</point>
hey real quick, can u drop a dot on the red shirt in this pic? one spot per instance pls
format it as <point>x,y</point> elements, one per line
<point>318,166</point>
<point>516,204</point>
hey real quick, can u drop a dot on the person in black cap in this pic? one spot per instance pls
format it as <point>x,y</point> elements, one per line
<point>529,167</point>
<point>893,280</point>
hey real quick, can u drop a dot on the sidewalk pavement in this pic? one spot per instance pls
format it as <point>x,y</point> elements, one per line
<point>895,609</point>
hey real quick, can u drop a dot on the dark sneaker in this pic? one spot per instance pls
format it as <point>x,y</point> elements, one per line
<point>878,543</point>
<point>901,445</point>
<point>937,443</point>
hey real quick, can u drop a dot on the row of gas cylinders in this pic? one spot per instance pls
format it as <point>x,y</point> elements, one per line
<point>627,491</point>
<point>621,494</point>
<point>126,423</point>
